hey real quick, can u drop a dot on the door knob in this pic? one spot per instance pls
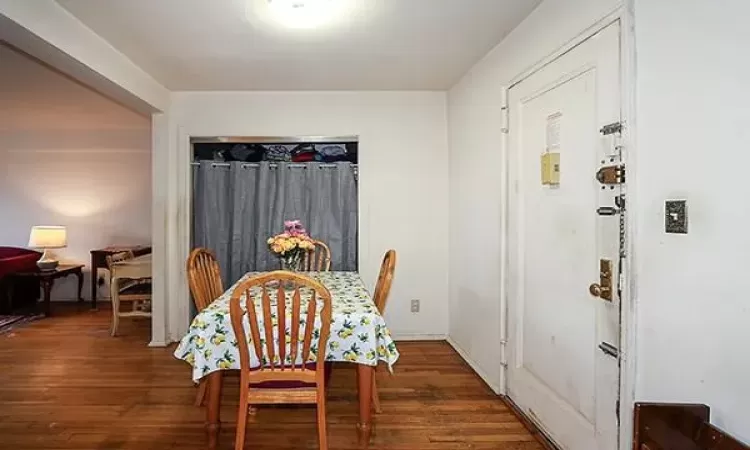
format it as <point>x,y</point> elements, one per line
<point>600,291</point>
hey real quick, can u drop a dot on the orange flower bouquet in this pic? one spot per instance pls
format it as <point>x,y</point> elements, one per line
<point>291,245</point>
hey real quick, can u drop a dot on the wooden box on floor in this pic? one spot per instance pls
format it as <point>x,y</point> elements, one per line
<point>669,426</point>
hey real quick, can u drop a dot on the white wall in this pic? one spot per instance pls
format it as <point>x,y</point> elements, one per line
<point>47,31</point>
<point>69,156</point>
<point>693,87</point>
<point>692,107</point>
<point>476,162</point>
<point>403,183</point>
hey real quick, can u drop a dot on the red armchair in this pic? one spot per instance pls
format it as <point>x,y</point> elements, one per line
<point>13,259</point>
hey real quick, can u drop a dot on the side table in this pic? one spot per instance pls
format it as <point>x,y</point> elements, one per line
<point>99,260</point>
<point>47,280</point>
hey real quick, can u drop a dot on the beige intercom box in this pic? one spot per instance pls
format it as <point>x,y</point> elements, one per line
<point>551,169</point>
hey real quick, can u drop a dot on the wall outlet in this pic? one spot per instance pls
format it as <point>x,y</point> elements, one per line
<point>415,306</point>
<point>676,220</point>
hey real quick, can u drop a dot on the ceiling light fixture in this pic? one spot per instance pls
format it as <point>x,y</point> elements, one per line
<point>305,13</point>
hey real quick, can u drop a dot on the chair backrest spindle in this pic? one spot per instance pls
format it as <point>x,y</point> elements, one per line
<point>266,300</point>
<point>291,287</point>
<point>281,317</point>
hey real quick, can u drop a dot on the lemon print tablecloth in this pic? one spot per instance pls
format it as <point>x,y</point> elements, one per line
<point>358,332</point>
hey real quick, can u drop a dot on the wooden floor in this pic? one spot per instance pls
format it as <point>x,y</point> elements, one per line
<point>65,384</point>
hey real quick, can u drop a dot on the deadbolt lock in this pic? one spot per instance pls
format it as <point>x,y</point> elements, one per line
<point>611,174</point>
<point>603,289</point>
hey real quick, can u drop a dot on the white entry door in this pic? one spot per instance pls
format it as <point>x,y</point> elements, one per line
<point>564,242</point>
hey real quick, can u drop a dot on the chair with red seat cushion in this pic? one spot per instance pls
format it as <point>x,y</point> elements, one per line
<point>290,362</point>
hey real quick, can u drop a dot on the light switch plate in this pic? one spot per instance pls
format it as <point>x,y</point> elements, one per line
<point>675,217</point>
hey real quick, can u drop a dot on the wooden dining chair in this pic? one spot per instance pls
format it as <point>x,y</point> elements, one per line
<point>382,289</point>
<point>204,279</point>
<point>317,259</point>
<point>135,291</point>
<point>292,372</point>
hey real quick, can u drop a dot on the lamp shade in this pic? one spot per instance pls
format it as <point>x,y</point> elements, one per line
<point>48,237</point>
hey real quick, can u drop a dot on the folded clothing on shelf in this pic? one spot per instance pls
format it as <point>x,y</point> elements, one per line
<point>279,152</point>
<point>331,152</point>
<point>246,153</point>
<point>304,156</point>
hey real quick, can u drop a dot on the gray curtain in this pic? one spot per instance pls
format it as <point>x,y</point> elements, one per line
<point>238,206</point>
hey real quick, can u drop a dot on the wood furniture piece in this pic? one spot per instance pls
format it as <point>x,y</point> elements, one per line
<point>298,379</point>
<point>670,426</point>
<point>47,279</point>
<point>130,282</point>
<point>359,335</point>
<point>382,289</point>
<point>99,261</point>
<point>317,259</point>
<point>204,279</point>
<point>14,292</point>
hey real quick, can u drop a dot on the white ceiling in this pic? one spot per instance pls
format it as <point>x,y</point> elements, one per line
<point>381,44</point>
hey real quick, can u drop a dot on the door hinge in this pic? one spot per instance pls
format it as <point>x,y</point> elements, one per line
<point>611,128</point>
<point>611,174</point>
<point>505,120</point>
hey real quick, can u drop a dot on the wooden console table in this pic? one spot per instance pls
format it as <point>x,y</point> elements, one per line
<point>47,280</point>
<point>99,260</point>
<point>673,426</point>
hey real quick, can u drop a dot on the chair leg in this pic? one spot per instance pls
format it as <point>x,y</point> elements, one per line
<point>322,431</point>
<point>239,441</point>
<point>113,293</point>
<point>200,398</point>
<point>375,397</point>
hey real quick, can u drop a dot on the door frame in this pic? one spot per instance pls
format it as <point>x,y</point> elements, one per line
<point>625,16</point>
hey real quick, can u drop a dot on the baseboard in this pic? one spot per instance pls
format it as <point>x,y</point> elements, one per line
<point>157,344</point>
<point>530,425</point>
<point>418,337</point>
<point>537,432</point>
<point>474,366</point>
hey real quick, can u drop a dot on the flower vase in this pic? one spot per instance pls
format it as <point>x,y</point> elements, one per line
<point>290,265</point>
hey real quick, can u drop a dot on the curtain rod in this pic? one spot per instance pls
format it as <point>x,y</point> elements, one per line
<point>271,165</point>
<point>272,139</point>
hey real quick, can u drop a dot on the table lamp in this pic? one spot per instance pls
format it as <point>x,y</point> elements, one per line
<point>45,237</point>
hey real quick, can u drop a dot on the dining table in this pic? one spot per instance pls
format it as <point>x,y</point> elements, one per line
<point>358,335</point>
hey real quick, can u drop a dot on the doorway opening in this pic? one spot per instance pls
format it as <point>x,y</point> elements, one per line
<point>245,188</point>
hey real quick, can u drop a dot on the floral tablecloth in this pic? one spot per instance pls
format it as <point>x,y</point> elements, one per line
<point>358,332</point>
